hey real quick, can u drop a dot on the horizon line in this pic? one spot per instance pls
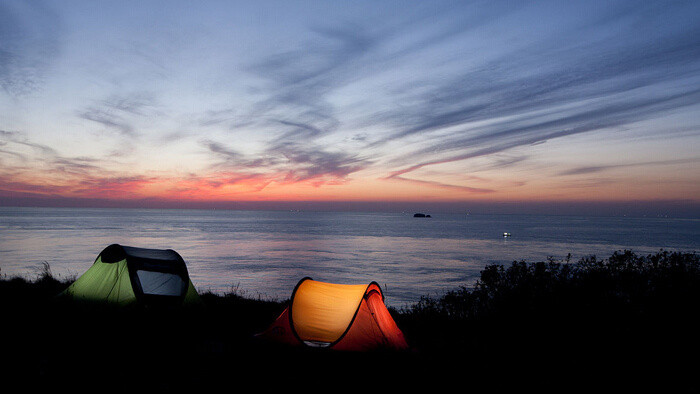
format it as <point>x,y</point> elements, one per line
<point>687,208</point>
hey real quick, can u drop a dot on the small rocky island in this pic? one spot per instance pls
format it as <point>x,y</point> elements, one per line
<point>420,215</point>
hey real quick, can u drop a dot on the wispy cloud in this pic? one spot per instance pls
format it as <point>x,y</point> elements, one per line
<point>217,117</point>
<point>228,158</point>
<point>507,136</point>
<point>574,81</point>
<point>452,97</point>
<point>29,41</point>
<point>107,119</point>
<point>585,93</point>
<point>19,138</point>
<point>318,165</point>
<point>570,67</point>
<point>297,83</point>
<point>111,186</point>
<point>77,165</point>
<point>290,163</point>
<point>203,186</point>
<point>601,168</point>
<point>462,188</point>
<point>67,176</point>
<point>118,112</point>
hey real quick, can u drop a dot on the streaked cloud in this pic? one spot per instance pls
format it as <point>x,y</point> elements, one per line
<point>119,112</point>
<point>448,99</point>
<point>601,168</point>
<point>28,45</point>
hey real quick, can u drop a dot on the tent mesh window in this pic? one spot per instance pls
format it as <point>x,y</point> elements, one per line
<point>160,283</point>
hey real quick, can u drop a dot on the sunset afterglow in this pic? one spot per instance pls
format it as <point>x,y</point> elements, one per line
<point>173,103</point>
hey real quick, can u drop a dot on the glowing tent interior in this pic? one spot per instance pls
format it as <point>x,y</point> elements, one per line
<point>126,275</point>
<point>337,316</point>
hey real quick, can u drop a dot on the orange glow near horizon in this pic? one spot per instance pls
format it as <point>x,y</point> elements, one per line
<point>222,187</point>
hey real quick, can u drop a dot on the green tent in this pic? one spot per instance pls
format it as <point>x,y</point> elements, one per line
<point>126,275</point>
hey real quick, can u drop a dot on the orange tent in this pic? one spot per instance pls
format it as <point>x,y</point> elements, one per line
<point>341,317</point>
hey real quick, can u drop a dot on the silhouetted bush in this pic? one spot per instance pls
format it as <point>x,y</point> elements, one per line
<point>623,306</point>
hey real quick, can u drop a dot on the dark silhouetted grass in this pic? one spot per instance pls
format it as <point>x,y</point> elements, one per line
<point>625,312</point>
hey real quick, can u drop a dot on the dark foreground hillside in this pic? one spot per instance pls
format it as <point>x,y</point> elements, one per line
<point>629,317</point>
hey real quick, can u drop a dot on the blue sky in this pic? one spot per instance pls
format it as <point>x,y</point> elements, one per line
<point>350,101</point>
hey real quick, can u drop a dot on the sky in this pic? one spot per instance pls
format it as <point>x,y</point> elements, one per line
<point>350,103</point>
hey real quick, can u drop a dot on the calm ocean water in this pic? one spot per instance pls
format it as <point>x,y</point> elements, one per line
<point>265,253</point>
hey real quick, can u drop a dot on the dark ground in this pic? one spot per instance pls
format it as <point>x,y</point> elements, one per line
<point>620,323</point>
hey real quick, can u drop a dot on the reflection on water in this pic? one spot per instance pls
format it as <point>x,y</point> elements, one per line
<point>267,252</point>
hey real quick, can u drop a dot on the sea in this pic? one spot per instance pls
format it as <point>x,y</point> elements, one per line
<point>264,254</point>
